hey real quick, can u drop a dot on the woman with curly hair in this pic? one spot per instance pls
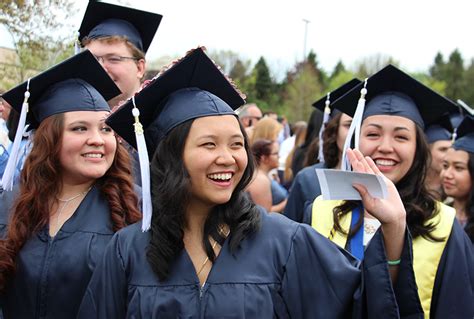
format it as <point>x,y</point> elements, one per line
<point>75,192</point>
<point>436,274</point>
<point>210,252</point>
<point>457,175</point>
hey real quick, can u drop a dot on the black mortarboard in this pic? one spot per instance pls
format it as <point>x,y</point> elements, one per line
<point>393,92</point>
<point>465,135</point>
<point>105,19</point>
<point>79,83</point>
<point>334,95</point>
<point>191,88</point>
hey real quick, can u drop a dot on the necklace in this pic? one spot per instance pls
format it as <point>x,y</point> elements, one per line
<point>222,232</point>
<point>66,202</point>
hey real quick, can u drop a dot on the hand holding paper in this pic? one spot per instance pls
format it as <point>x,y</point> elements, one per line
<point>386,210</point>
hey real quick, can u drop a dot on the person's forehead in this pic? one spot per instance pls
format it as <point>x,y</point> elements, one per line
<point>254,111</point>
<point>457,155</point>
<point>103,46</point>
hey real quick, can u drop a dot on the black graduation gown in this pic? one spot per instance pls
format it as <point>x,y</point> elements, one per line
<point>52,274</point>
<point>285,270</point>
<point>304,190</point>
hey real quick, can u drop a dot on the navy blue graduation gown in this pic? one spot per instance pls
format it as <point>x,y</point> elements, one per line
<point>453,292</point>
<point>285,270</point>
<point>304,190</point>
<point>52,274</point>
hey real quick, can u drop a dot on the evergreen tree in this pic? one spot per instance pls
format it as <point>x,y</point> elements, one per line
<point>263,80</point>
<point>454,75</point>
<point>339,68</point>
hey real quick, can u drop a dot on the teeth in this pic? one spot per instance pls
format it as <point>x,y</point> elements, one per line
<point>385,162</point>
<point>93,155</point>
<point>223,177</point>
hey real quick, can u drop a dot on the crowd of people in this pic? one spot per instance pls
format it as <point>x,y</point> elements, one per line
<point>173,198</point>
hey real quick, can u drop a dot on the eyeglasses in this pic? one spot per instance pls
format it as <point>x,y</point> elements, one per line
<point>114,59</point>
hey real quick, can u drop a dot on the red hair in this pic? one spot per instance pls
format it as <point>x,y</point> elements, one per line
<point>41,179</point>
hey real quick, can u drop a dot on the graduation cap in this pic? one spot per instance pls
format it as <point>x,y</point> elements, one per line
<point>465,135</point>
<point>441,130</point>
<point>79,83</point>
<point>105,19</point>
<point>325,106</point>
<point>391,92</point>
<point>191,88</point>
<point>325,103</point>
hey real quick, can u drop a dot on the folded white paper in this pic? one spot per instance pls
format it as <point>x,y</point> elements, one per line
<point>337,184</point>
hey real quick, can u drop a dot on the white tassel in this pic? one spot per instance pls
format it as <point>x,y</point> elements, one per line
<point>144,169</point>
<point>327,113</point>
<point>9,173</point>
<point>77,44</point>
<point>354,129</point>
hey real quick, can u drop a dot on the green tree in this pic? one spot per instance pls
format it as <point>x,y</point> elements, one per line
<point>300,92</point>
<point>454,75</point>
<point>367,66</point>
<point>437,69</point>
<point>33,26</point>
<point>467,95</point>
<point>339,68</point>
<point>263,80</point>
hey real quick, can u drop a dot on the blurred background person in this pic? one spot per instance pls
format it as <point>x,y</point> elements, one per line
<point>305,187</point>
<point>439,136</point>
<point>457,175</point>
<point>264,190</point>
<point>307,153</point>
<point>249,115</point>
<point>287,151</point>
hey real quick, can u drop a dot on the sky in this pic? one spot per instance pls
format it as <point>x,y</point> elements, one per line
<point>411,31</point>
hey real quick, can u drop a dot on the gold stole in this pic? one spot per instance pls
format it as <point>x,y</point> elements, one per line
<point>426,254</point>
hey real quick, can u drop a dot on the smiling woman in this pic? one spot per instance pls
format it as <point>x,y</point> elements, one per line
<point>75,192</point>
<point>391,134</point>
<point>210,252</point>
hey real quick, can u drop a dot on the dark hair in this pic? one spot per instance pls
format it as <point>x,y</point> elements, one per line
<point>330,149</point>
<point>469,228</point>
<point>41,181</point>
<point>419,203</point>
<point>170,194</point>
<point>314,126</point>
<point>261,147</point>
<point>311,156</point>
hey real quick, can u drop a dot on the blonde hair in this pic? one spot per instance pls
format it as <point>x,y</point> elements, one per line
<point>267,129</point>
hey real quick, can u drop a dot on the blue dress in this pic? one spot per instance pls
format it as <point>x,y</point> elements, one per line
<point>304,190</point>
<point>284,270</point>
<point>52,273</point>
<point>279,193</point>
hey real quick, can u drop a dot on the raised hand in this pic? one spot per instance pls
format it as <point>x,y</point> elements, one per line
<point>387,211</point>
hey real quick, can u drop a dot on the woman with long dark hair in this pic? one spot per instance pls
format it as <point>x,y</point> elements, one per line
<point>305,187</point>
<point>391,134</point>
<point>457,175</point>
<point>75,191</point>
<point>211,253</point>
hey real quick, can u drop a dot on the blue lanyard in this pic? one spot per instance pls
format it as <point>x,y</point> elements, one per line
<point>357,246</point>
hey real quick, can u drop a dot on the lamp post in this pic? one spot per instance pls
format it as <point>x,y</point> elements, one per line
<point>306,21</point>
